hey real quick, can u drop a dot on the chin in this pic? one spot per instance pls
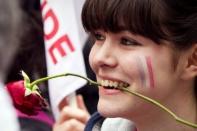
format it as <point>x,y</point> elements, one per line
<point>108,110</point>
<point>106,113</point>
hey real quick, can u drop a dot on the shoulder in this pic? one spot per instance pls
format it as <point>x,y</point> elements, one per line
<point>95,122</point>
<point>98,123</point>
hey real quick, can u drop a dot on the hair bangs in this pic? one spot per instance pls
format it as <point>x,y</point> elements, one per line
<point>118,15</point>
<point>104,15</point>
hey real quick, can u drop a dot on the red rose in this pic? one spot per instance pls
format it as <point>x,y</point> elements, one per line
<point>24,99</point>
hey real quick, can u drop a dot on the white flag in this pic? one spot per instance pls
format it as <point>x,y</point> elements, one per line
<point>64,38</point>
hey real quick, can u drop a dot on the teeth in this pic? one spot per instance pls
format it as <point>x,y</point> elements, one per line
<point>110,83</point>
<point>121,84</point>
<point>115,84</point>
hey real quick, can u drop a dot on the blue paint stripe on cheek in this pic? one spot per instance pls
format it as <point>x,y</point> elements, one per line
<point>141,71</point>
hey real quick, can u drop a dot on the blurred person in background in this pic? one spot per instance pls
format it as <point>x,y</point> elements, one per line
<point>10,16</point>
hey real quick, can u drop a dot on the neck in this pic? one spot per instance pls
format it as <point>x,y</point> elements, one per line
<point>158,120</point>
<point>162,123</point>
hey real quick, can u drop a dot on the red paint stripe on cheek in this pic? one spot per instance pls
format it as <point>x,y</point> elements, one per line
<point>150,71</point>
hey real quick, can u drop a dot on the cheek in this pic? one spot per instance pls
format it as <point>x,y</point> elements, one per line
<point>131,68</point>
<point>91,59</point>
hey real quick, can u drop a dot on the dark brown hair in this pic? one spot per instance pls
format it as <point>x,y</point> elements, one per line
<point>171,20</point>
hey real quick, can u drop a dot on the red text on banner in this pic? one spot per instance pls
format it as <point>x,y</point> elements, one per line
<point>63,39</point>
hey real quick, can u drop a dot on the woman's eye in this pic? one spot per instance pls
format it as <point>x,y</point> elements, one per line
<point>126,41</point>
<point>98,36</point>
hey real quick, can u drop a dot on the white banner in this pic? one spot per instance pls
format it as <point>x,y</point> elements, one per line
<point>64,38</point>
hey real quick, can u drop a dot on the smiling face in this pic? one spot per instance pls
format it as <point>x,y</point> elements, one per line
<point>124,58</point>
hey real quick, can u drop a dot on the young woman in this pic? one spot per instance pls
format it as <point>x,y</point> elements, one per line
<point>150,46</point>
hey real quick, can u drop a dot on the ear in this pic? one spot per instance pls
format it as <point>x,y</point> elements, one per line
<point>190,70</point>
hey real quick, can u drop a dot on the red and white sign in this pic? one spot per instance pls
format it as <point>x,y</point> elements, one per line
<point>64,38</point>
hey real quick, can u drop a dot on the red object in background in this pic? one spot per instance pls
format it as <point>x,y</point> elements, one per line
<point>29,104</point>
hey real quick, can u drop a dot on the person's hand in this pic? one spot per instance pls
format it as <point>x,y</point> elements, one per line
<point>73,119</point>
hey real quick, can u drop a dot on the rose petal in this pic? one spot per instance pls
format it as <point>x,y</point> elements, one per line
<point>17,91</point>
<point>28,104</point>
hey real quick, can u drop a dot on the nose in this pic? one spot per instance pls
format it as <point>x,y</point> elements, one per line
<point>105,55</point>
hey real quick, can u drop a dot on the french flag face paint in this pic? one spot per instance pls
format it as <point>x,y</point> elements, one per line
<point>150,71</point>
<point>145,71</point>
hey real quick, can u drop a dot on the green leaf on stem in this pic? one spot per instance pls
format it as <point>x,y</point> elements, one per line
<point>26,80</point>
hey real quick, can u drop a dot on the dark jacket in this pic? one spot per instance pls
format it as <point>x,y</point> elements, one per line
<point>99,123</point>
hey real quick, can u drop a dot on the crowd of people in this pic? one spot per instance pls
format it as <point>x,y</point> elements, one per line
<point>145,46</point>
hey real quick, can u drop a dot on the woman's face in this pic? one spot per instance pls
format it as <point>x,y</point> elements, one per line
<point>124,58</point>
